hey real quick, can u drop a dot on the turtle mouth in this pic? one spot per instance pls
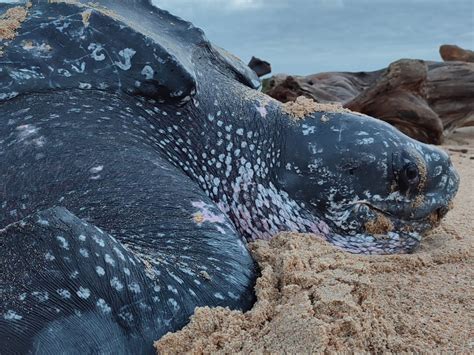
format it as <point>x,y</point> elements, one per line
<point>432,214</point>
<point>366,227</point>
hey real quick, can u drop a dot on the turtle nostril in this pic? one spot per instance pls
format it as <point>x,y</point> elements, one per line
<point>441,212</point>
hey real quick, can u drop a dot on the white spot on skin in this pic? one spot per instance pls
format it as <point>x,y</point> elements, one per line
<point>8,96</point>
<point>83,293</point>
<point>134,287</point>
<point>63,242</point>
<point>172,289</point>
<point>63,293</point>
<point>308,129</point>
<point>115,283</point>
<point>26,130</point>
<point>96,169</point>
<point>126,55</point>
<point>262,111</point>
<point>84,252</point>
<point>98,240</point>
<point>43,222</point>
<point>96,48</point>
<point>84,85</point>
<point>119,253</point>
<point>218,295</point>
<point>109,260</point>
<point>148,72</point>
<point>173,302</point>
<point>232,295</point>
<point>41,296</point>
<point>437,171</point>
<point>48,256</point>
<point>100,270</point>
<point>365,141</point>
<point>11,315</point>
<point>103,306</point>
<point>25,74</point>
<point>64,72</point>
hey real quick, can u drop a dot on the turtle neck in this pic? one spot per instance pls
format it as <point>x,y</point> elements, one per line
<point>231,146</point>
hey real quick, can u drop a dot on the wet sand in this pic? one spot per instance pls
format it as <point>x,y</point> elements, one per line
<point>313,297</point>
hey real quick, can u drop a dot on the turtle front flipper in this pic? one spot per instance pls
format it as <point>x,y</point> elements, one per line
<point>69,287</point>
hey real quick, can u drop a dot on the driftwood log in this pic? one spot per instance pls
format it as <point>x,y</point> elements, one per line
<point>426,100</point>
<point>450,52</point>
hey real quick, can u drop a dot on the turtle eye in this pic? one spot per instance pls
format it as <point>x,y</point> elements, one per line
<point>409,177</point>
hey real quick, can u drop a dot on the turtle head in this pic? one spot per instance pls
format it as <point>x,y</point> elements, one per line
<point>376,188</point>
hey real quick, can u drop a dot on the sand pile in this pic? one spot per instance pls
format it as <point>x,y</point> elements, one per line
<point>11,21</point>
<point>304,106</point>
<point>312,297</point>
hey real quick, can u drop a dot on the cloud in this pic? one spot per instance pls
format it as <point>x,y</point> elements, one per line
<point>221,4</point>
<point>245,4</point>
<point>331,4</point>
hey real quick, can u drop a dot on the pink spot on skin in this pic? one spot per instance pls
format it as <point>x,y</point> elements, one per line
<point>211,217</point>
<point>198,204</point>
<point>205,215</point>
<point>319,228</point>
<point>262,110</point>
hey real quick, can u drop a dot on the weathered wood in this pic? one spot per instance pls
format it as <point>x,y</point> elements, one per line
<point>398,97</point>
<point>450,93</point>
<point>451,52</point>
<point>426,100</point>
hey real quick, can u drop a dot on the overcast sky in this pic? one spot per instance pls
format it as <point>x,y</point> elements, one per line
<point>309,36</point>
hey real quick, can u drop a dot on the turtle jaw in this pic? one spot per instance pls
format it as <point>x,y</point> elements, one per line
<point>365,228</point>
<point>391,243</point>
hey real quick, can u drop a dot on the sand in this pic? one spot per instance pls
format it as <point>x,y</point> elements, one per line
<point>11,21</point>
<point>313,298</point>
<point>304,106</point>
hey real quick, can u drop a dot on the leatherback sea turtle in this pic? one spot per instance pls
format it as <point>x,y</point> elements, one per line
<point>136,158</point>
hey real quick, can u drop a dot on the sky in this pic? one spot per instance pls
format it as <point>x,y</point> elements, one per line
<point>310,36</point>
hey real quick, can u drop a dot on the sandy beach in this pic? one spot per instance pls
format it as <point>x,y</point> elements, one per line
<point>313,297</point>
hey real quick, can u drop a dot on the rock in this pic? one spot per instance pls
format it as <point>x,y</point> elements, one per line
<point>426,100</point>
<point>259,66</point>
<point>450,52</point>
